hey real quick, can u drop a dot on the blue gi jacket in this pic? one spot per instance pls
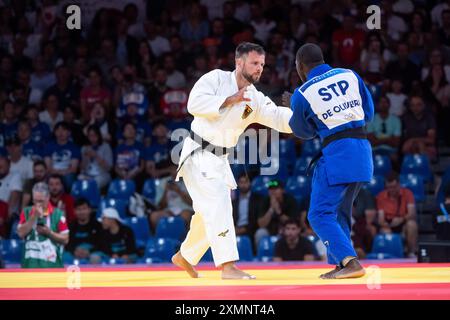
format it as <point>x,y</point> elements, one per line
<point>332,100</point>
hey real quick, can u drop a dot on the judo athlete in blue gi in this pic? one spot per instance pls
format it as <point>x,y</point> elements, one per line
<point>334,104</point>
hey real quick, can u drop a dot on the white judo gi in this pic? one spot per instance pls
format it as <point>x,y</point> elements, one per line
<point>208,177</point>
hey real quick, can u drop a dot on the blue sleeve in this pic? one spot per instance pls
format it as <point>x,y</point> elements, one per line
<point>367,101</point>
<point>76,154</point>
<point>299,123</point>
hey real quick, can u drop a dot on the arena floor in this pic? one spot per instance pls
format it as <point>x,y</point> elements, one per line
<point>384,280</point>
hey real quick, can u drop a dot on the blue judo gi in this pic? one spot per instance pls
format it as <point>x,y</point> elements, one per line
<point>330,101</point>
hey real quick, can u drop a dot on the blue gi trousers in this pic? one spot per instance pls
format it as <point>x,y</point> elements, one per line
<point>330,213</point>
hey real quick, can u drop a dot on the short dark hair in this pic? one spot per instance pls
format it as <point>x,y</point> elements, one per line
<point>39,163</point>
<point>62,124</point>
<point>81,202</point>
<point>310,54</point>
<point>97,131</point>
<point>246,47</point>
<point>291,221</point>
<point>392,176</point>
<point>56,176</point>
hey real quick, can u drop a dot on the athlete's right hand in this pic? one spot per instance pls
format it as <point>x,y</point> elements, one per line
<point>236,98</point>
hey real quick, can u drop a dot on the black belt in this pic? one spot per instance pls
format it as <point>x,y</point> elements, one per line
<point>204,145</point>
<point>355,133</point>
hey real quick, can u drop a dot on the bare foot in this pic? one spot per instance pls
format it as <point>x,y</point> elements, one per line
<point>178,260</point>
<point>353,269</point>
<point>233,273</point>
<point>330,273</point>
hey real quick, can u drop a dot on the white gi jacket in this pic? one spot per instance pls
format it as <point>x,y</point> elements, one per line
<point>223,126</point>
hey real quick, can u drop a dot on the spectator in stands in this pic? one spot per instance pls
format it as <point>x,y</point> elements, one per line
<point>10,187</point>
<point>275,210</point>
<point>59,198</point>
<point>397,212</point>
<point>94,92</point>
<point>143,128</point>
<point>385,130</point>
<point>18,162</point>
<point>403,68</point>
<point>374,58</point>
<point>157,157</point>
<point>419,129</point>
<point>64,89</point>
<point>175,201</point>
<point>85,231</point>
<point>52,113</point>
<point>128,155</point>
<point>245,208</point>
<point>175,78</point>
<point>3,220</point>
<point>117,240</point>
<point>30,149</point>
<point>96,158</point>
<point>41,78</point>
<point>260,23</point>
<point>442,218</point>
<point>70,117</point>
<point>397,98</point>
<point>62,156</point>
<point>292,246</point>
<point>39,175</point>
<point>194,27</point>
<point>45,231</point>
<point>347,43</point>
<point>40,131</point>
<point>98,118</point>
<point>10,119</point>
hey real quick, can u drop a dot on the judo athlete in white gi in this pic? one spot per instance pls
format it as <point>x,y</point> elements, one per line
<point>223,104</point>
<point>334,104</point>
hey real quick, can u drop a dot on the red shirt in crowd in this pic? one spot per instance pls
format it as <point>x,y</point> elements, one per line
<point>349,45</point>
<point>68,206</point>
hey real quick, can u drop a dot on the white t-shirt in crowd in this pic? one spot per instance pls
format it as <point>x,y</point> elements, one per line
<point>11,182</point>
<point>23,167</point>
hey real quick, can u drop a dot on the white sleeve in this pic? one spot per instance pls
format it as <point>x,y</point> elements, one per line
<point>271,115</point>
<point>203,100</point>
<point>16,183</point>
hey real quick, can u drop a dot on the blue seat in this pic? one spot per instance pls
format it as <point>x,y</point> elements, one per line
<point>149,189</point>
<point>171,227</point>
<point>301,165</point>
<point>259,185</point>
<point>276,168</point>
<point>416,184</point>
<point>11,250</point>
<point>244,246</point>
<point>376,185</point>
<point>389,244</point>
<point>119,204</point>
<point>310,148</point>
<point>287,149</point>
<point>140,229</point>
<point>121,189</point>
<point>266,247</point>
<point>381,165</point>
<point>160,249</point>
<point>299,187</point>
<point>417,164</point>
<point>87,189</point>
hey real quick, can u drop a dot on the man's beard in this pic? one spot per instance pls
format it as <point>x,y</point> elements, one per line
<point>249,77</point>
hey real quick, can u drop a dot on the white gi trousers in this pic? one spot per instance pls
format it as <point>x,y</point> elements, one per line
<point>212,224</point>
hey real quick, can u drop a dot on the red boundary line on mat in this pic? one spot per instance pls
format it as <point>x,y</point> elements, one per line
<point>411,291</point>
<point>260,266</point>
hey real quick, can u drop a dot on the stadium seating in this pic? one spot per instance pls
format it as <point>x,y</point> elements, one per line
<point>171,227</point>
<point>278,169</point>
<point>417,164</point>
<point>445,183</point>
<point>11,250</point>
<point>121,189</point>
<point>119,204</point>
<point>140,229</point>
<point>160,250</point>
<point>415,183</point>
<point>287,149</point>
<point>299,187</point>
<point>244,245</point>
<point>381,165</point>
<point>389,245</point>
<point>310,148</point>
<point>266,248</point>
<point>259,185</point>
<point>87,189</point>
<point>376,185</point>
<point>301,165</point>
<point>149,189</point>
